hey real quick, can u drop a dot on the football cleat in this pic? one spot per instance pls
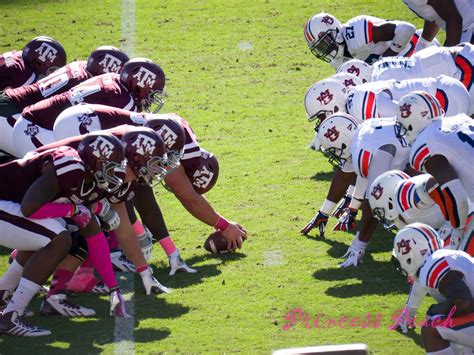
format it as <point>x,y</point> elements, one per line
<point>5,297</point>
<point>13,324</point>
<point>178,264</point>
<point>121,263</point>
<point>151,284</point>
<point>59,305</point>
<point>86,282</point>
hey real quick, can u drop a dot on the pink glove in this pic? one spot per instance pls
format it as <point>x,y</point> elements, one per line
<point>82,216</point>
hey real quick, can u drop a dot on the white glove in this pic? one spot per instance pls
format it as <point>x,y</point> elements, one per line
<point>146,243</point>
<point>445,230</point>
<point>406,321</point>
<point>151,284</point>
<point>109,218</point>
<point>456,238</point>
<point>355,253</point>
<point>117,305</point>
<point>177,264</point>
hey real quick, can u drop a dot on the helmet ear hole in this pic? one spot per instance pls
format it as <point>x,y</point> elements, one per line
<point>344,146</point>
<point>390,205</point>
<point>409,261</point>
<point>336,109</point>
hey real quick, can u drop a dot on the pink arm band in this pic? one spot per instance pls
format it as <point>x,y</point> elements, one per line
<point>221,224</point>
<point>54,210</point>
<point>98,207</point>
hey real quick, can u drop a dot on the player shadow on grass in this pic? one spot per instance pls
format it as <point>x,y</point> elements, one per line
<point>323,175</point>
<point>183,280</point>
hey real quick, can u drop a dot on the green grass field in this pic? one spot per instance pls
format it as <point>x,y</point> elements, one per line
<point>238,72</point>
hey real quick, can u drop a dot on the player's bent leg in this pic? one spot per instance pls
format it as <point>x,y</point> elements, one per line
<point>433,342</point>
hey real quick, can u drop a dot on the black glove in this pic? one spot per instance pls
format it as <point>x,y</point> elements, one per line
<point>320,221</point>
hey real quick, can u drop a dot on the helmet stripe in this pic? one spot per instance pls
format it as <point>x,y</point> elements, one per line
<point>434,242</point>
<point>466,69</point>
<point>404,192</point>
<point>422,95</point>
<point>307,32</point>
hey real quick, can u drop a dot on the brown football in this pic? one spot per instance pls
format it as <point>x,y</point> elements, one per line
<point>216,243</point>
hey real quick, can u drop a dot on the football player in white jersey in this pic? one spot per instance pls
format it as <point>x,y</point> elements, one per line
<point>455,17</point>
<point>456,62</point>
<point>368,150</point>
<point>363,37</point>
<point>445,274</point>
<point>443,147</point>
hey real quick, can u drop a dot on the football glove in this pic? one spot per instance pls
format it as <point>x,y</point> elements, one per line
<point>319,220</point>
<point>151,284</point>
<point>81,216</point>
<point>108,217</point>
<point>347,220</point>
<point>406,321</point>
<point>117,305</point>
<point>146,243</point>
<point>343,204</point>
<point>177,264</point>
<point>456,238</point>
<point>355,253</point>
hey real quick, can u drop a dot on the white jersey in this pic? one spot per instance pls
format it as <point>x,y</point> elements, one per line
<point>453,138</point>
<point>357,34</point>
<point>411,206</point>
<point>376,99</point>
<point>428,13</point>
<point>372,135</point>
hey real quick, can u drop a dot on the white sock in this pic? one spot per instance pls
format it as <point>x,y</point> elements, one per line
<point>22,296</point>
<point>12,277</point>
<point>447,351</point>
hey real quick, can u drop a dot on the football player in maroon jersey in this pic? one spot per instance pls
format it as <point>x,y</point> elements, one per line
<point>105,59</point>
<point>37,193</point>
<point>138,87</point>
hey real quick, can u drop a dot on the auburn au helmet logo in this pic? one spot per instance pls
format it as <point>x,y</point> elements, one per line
<point>405,110</point>
<point>332,134</point>
<point>325,97</point>
<point>377,191</point>
<point>404,246</point>
<point>354,70</point>
<point>328,20</point>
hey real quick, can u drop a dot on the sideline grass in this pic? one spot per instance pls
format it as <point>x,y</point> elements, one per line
<point>237,71</point>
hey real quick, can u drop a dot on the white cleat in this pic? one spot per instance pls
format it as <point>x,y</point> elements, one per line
<point>121,263</point>
<point>59,305</point>
<point>151,284</point>
<point>178,264</point>
<point>13,324</point>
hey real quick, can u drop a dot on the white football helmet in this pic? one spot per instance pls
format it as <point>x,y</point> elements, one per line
<point>411,245</point>
<point>358,68</point>
<point>416,111</point>
<point>382,197</point>
<point>335,136</point>
<point>323,34</point>
<point>324,98</point>
<point>346,79</point>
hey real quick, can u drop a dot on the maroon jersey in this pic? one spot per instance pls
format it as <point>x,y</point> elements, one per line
<point>13,71</point>
<point>58,82</point>
<point>90,193</point>
<point>18,175</point>
<point>104,89</point>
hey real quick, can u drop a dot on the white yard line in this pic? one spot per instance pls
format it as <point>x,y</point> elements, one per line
<point>128,27</point>
<point>273,258</point>
<point>123,332</point>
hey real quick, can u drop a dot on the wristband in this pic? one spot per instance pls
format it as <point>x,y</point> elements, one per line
<point>98,207</point>
<point>221,224</point>
<point>328,207</point>
<point>54,210</point>
<point>355,203</point>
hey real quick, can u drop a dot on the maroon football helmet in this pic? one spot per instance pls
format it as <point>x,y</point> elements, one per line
<point>146,82</point>
<point>173,136</point>
<point>106,59</point>
<point>204,175</point>
<point>146,154</point>
<point>44,55</point>
<point>104,157</point>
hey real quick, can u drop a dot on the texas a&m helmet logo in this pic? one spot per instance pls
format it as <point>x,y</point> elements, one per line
<point>202,178</point>
<point>144,145</point>
<point>46,53</point>
<point>405,110</point>
<point>111,64</point>
<point>31,129</point>
<point>169,137</point>
<point>325,97</point>
<point>354,70</point>
<point>145,77</point>
<point>102,148</point>
<point>332,134</point>
<point>377,191</point>
<point>404,246</point>
<point>328,20</point>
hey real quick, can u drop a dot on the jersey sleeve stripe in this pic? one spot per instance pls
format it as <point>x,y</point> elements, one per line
<point>451,208</point>
<point>307,32</point>
<point>463,321</point>
<point>68,167</point>
<point>466,71</point>
<point>437,271</point>
<point>413,43</point>
<point>368,32</point>
<point>364,162</point>
<point>190,145</point>
<point>437,197</point>
<point>66,159</point>
<point>420,157</point>
<point>191,155</point>
<point>443,99</point>
<point>370,106</point>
